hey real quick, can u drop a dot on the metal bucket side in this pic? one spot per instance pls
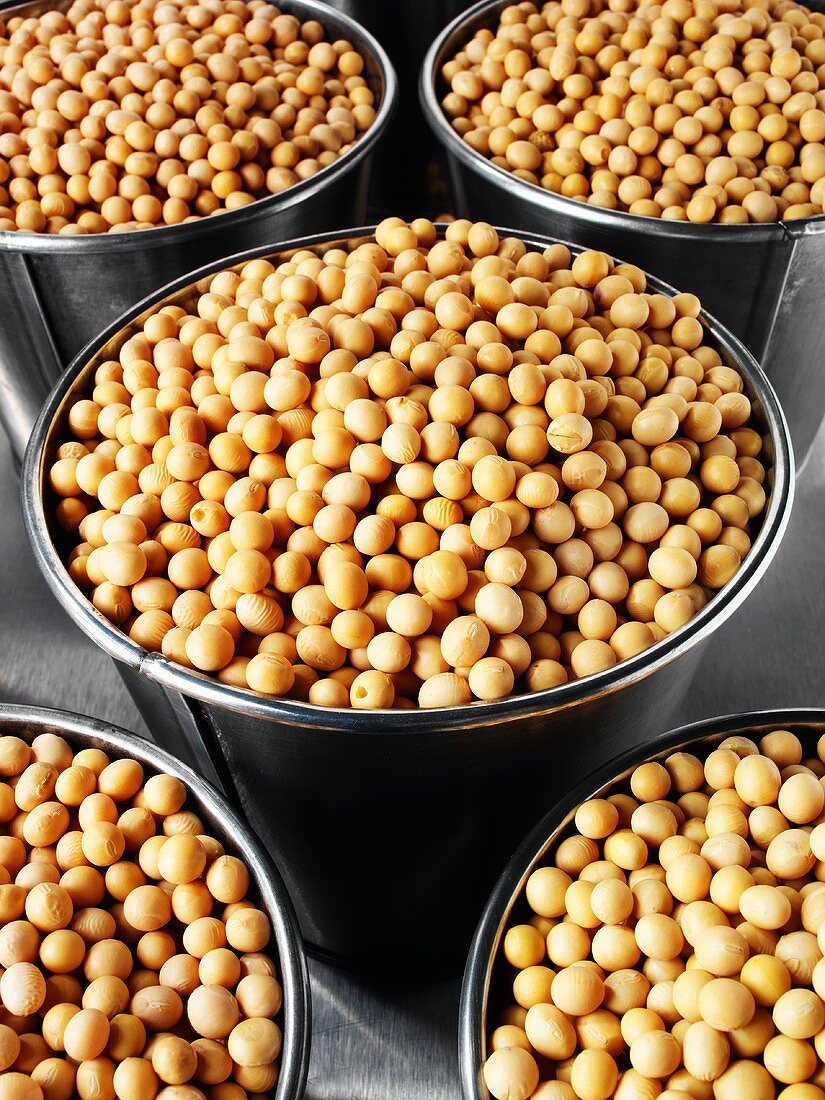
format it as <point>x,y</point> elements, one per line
<point>396,841</point>
<point>326,758</point>
<point>794,350</point>
<point>61,291</point>
<point>27,722</point>
<point>763,282</point>
<point>480,972</point>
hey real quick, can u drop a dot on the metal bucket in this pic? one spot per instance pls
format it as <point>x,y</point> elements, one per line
<point>763,282</point>
<point>57,293</point>
<point>482,976</point>
<point>226,826</point>
<point>411,176</point>
<point>390,827</point>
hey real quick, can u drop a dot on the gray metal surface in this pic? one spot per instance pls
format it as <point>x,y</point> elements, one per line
<point>486,976</point>
<point>222,822</point>
<point>764,282</point>
<point>398,1042</point>
<point>47,282</point>
<point>373,818</point>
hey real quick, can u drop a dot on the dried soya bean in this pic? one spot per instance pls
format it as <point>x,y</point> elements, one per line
<point>410,471</point>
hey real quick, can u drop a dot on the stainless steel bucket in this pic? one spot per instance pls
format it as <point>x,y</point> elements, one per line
<point>763,282</point>
<point>57,293</point>
<point>81,732</point>
<point>390,827</point>
<point>482,975</point>
<point>410,178</point>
